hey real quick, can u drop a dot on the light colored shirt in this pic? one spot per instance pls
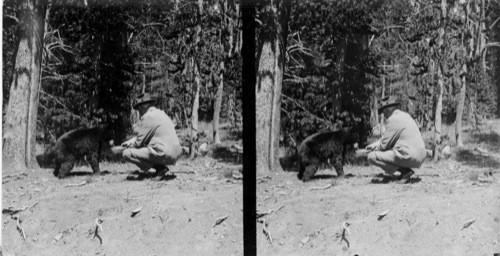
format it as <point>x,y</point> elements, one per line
<point>156,130</point>
<point>403,136</point>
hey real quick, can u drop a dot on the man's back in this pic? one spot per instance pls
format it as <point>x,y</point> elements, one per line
<point>156,128</point>
<point>403,135</point>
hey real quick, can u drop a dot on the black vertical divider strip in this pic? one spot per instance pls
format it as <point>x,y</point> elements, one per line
<point>249,152</point>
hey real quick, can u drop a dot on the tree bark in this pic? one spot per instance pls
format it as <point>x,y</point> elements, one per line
<point>194,114</point>
<point>463,88</point>
<point>439,103</point>
<point>382,118</point>
<point>220,88</point>
<point>437,118</point>
<point>460,108</point>
<point>21,114</point>
<point>218,104</point>
<point>268,90</point>
<point>197,82</point>
<point>481,37</point>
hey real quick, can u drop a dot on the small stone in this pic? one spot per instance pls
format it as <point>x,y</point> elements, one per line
<point>305,240</point>
<point>58,237</point>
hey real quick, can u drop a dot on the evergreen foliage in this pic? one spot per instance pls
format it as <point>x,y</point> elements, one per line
<point>343,56</point>
<point>99,55</point>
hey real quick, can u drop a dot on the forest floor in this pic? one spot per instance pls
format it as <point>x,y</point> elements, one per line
<point>452,207</point>
<point>197,211</point>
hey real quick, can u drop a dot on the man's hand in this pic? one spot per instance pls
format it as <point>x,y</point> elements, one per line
<point>373,146</point>
<point>128,143</point>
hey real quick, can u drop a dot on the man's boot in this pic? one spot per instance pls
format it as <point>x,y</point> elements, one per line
<point>405,176</point>
<point>161,170</point>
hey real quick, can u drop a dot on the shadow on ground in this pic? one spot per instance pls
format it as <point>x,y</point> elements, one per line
<point>226,154</point>
<point>471,158</point>
<point>491,139</point>
<point>138,176</point>
<point>323,177</point>
<point>79,173</point>
<point>382,178</point>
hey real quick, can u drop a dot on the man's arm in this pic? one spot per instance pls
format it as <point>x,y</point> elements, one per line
<point>129,143</point>
<point>374,146</point>
<point>393,130</point>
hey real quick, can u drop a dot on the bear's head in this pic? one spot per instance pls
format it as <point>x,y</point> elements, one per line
<point>46,160</point>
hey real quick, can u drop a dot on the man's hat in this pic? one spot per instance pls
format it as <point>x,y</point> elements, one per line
<point>143,98</point>
<point>388,102</point>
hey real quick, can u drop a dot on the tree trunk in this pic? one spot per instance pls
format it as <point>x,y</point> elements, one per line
<point>197,82</point>
<point>437,118</point>
<point>463,89</point>
<point>439,103</point>
<point>20,119</point>
<point>481,39</point>
<point>268,91</point>
<point>460,108</point>
<point>220,88</point>
<point>218,103</point>
<point>194,113</point>
<point>382,118</point>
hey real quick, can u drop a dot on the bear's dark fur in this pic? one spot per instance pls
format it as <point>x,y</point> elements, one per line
<point>317,149</point>
<point>73,146</point>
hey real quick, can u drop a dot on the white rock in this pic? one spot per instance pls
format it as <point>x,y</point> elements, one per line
<point>203,149</point>
<point>446,151</point>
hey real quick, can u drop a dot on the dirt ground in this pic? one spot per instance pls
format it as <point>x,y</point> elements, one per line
<point>199,212</point>
<point>451,208</point>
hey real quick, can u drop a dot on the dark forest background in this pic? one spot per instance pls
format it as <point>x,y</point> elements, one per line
<point>340,58</point>
<point>99,55</point>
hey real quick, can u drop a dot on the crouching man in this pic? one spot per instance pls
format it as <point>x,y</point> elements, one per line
<point>401,147</point>
<point>156,144</point>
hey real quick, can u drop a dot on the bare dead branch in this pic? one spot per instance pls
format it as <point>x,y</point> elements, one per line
<point>307,111</point>
<point>12,17</point>
<point>493,24</point>
<point>321,188</point>
<point>14,175</point>
<point>76,185</point>
<point>266,231</point>
<point>97,226</point>
<point>19,228</point>
<point>220,220</point>
<point>345,230</point>
<point>262,214</point>
<point>11,210</point>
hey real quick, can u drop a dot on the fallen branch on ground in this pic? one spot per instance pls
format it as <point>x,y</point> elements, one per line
<point>220,220</point>
<point>266,231</point>
<point>345,230</point>
<point>19,228</point>
<point>16,176</point>
<point>320,188</point>
<point>382,214</point>
<point>136,211</point>
<point>11,210</point>
<point>262,214</point>
<point>76,185</point>
<point>96,229</point>
<point>468,223</point>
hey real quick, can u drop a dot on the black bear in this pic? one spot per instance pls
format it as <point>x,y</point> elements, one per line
<point>318,149</point>
<point>73,146</point>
